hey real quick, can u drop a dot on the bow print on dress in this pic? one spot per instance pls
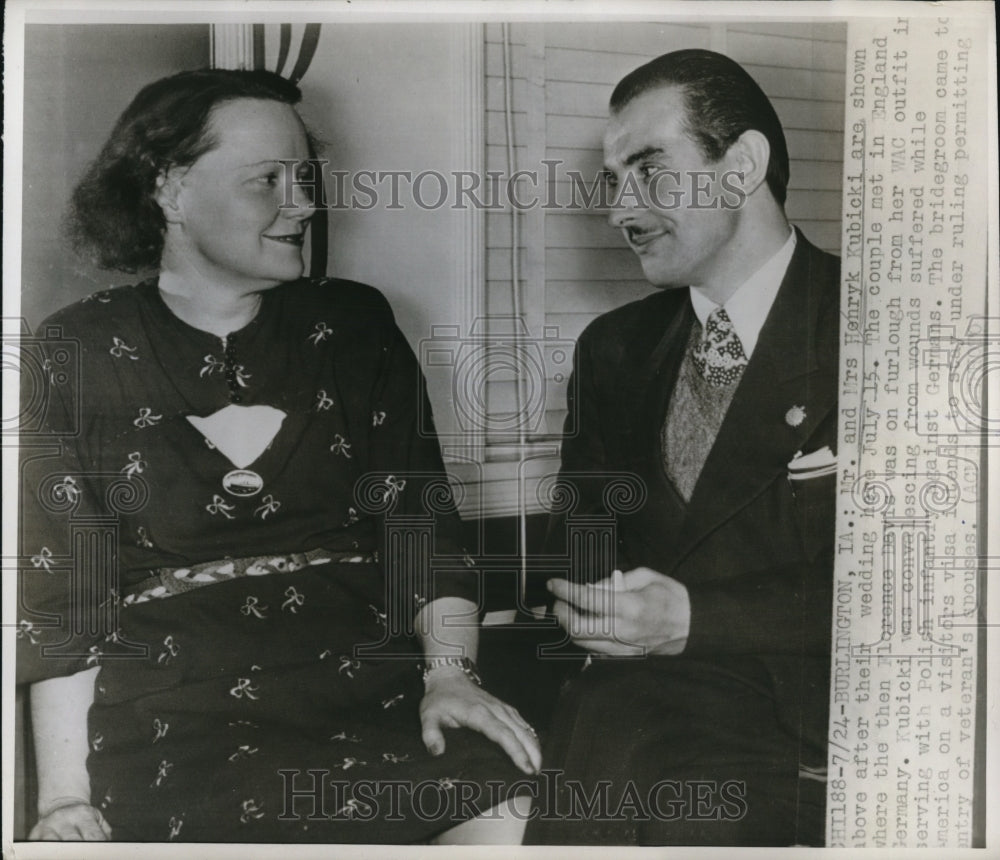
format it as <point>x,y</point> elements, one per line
<point>395,759</point>
<point>50,371</point>
<point>269,506</point>
<point>321,333</point>
<point>251,809</point>
<point>323,400</point>
<point>135,466</point>
<point>341,446</point>
<point>347,666</point>
<point>161,773</point>
<point>352,808</point>
<point>121,348</point>
<point>393,487</point>
<point>253,605</point>
<point>26,629</point>
<point>294,601</point>
<point>160,728</point>
<point>147,418</point>
<point>219,505</point>
<point>171,651</point>
<point>43,559</point>
<point>343,736</point>
<point>241,375</point>
<point>243,751</point>
<point>244,687</point>
<point>66,489</point>
<point>211,365</point>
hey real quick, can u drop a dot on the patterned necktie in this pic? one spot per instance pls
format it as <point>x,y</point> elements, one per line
<point>719,357</point>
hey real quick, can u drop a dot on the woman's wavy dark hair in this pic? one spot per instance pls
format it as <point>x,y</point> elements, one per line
<point>113,218</point>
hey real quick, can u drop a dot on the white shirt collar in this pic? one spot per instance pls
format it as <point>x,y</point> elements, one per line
<point>749,306</point>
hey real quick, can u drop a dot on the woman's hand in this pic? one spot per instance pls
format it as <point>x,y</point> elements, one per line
<point>452,700</point>
<point>73,821</point>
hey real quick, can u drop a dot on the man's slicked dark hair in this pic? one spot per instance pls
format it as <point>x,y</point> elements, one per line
<point>722,101</point>
<point>113,218</point>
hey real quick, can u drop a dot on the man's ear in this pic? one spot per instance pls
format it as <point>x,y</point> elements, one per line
<point>167,194</point>
<point>749,156</point>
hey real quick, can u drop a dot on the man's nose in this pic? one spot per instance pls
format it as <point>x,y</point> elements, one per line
<point>626,204</point>
<point>623,211</point>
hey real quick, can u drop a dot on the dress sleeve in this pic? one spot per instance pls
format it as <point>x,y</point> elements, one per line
<point>408,476</point>
<point>60,596</point>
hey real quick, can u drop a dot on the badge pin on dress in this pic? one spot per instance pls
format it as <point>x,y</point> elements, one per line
<point>795,416</point>
<point>242,483</point>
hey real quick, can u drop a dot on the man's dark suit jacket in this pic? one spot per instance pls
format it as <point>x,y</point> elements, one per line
<point>754,548</point>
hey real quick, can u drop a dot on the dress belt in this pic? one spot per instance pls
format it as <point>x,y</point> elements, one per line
<point>169,581</point>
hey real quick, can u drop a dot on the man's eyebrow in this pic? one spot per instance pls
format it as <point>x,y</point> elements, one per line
<point>645,152</point>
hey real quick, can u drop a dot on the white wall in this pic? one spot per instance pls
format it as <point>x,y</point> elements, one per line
<point>77,80</point>
<point>381,96</point>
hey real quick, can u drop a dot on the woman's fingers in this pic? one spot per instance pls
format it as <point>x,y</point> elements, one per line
<point>476,709</point>
<point>432,735</point>
<point>77,822</point>
<point>516,741</point>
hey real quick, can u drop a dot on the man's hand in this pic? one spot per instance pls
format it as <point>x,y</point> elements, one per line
<point>452,700</point>
<point>75,821</point>
<point>649,613</point>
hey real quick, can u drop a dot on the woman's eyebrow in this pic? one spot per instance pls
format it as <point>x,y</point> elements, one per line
<point>270,161</point>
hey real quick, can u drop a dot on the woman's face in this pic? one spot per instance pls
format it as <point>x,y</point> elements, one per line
<point>226,221</point>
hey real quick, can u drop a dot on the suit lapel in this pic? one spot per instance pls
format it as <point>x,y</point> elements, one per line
<point>784,373</point>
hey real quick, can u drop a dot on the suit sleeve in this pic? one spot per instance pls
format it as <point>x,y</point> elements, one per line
<point>782,610</point>
<point>585,469</point>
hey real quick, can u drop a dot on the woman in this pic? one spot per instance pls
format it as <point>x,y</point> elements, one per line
<point>241,444</point>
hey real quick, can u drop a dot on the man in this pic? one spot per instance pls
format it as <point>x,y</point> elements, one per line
<point>719,393</point>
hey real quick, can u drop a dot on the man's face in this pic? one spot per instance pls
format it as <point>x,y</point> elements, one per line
<point>671,199</point>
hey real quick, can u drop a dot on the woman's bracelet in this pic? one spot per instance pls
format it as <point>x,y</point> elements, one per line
<point>467,666</point>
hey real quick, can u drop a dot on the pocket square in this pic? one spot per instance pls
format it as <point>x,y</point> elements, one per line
<point>815,464</point>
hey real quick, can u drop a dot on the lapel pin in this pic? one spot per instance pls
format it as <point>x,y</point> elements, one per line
<point>795,416</point>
